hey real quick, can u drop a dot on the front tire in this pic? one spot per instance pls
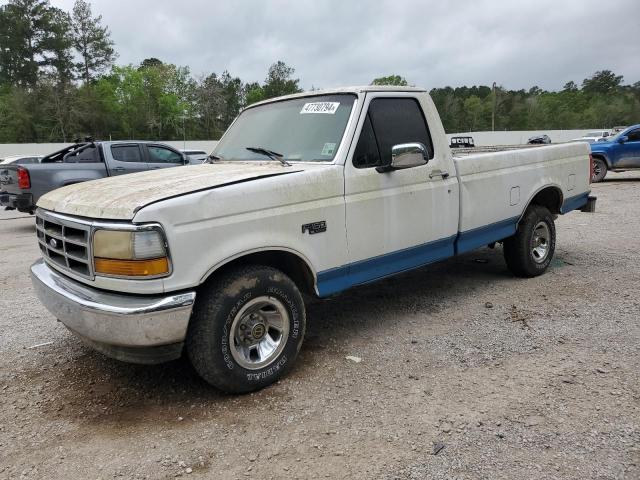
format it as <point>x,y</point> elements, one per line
<point>529,252</point>
<point>599,170</point>
<point>247,329</point>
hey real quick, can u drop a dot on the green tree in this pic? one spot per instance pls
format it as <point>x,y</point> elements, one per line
<point>253,93</point>
<point>92,41</point>
<point>151,62</point>
<point>396,80</point>
<point>209,105</point>
<point>603,82</point>
<point>233,93</point>
<point>279,81</point>
<point>28,31</point>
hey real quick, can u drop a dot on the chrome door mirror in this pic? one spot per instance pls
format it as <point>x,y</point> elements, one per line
<point>406,155</point>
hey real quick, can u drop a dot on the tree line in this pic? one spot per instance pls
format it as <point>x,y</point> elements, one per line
<point>59,80</point>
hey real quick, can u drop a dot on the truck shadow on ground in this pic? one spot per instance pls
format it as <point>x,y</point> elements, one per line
<point>620,179</point>
<point>94,389</point>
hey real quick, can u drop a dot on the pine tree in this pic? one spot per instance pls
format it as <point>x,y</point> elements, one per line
<point>25,31</point>
<point>92,41</point>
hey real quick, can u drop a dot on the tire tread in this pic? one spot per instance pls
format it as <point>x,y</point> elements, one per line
<point>203,336</point>
<point>517,250</point>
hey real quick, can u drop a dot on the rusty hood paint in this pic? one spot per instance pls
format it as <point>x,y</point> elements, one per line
<point>119,198</point>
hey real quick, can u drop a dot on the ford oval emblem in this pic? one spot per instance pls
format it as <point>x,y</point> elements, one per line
<point>54,243</point>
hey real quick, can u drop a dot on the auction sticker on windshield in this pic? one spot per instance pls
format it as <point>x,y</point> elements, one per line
<point>320,107</point>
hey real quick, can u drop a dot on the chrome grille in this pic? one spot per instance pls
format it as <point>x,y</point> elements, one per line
<point>65,243</point>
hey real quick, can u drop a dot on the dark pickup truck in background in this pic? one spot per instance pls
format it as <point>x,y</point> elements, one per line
<point>22,185</point>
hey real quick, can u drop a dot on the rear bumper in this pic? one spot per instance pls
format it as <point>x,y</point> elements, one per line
<point>131,328</point>
<point>590,206</point>
<point>18,201</point>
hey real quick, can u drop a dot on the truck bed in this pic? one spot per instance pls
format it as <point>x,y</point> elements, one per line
<point>496,187</point>
<point>463,152</point>
<point>43,176</point>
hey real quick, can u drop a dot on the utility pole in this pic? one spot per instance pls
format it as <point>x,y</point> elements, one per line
<point>493,108</point>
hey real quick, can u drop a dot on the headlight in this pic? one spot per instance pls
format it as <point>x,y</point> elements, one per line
<point>130,253</point>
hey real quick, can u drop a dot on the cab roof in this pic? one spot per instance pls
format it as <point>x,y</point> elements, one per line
<point>341,90</point>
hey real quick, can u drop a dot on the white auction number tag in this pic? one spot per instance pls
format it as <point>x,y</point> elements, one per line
<point>320,107</point>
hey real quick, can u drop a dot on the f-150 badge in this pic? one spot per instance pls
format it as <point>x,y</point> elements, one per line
<point>315,227</point>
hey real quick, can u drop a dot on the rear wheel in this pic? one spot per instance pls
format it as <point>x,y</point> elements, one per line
<point>529,252</point>
<point>247,329</point>
<point>599,170</point>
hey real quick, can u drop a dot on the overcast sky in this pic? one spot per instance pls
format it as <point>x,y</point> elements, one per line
<point>515,43</point>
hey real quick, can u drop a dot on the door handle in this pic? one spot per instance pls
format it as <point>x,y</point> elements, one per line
<point>439,173</point>
<point>118,169</point>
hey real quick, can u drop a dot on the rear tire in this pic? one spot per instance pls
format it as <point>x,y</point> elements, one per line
<point>529,252</point>
<point>247,329</point>
<point>599,170</point>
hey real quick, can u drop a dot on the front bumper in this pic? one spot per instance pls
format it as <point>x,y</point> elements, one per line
<point>20,201</point>
<point>131,328</point>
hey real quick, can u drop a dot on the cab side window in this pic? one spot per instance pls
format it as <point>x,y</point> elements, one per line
<point>389,122</point>
<point>634,136</point>
<point>126,153</point>
<point>163,155</point>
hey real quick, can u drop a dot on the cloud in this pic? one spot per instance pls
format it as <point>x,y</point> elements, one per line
<point>517,44</point>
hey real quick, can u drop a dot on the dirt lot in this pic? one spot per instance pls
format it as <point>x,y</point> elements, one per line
<point>513,378</point>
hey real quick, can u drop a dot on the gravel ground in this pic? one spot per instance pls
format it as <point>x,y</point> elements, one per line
<point>466,372</point>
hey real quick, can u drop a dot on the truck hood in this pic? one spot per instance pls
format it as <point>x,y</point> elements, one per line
<point>601,146</point>
<point>119,198</point>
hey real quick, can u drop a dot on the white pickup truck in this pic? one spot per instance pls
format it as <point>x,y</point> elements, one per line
<point>314,193</point>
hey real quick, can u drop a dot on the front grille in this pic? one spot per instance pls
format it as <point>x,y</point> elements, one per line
<point>65,243</point>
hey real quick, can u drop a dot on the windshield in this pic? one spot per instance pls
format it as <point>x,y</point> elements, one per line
<point>615,136</point>
<point>307,129</point>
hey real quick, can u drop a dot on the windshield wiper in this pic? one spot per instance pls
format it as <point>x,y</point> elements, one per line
<point>269,153</point>
<point>211,158</point>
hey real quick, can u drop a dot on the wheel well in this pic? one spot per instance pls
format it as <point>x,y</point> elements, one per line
<point>289,263</point>
<point>601,157</point>
<point>550,197</point>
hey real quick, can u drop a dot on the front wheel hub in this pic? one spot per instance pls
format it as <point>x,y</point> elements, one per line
<point>259,332</point>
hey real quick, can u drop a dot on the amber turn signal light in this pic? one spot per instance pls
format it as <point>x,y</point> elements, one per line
<point>132,268</point>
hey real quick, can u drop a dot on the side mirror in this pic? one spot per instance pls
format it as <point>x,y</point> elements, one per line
<point>623,139</point>
<point>185,159</point>
<point>406,155</point>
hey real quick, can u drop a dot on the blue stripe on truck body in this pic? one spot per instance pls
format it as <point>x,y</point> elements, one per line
<point>574,203</point>
<point>337,279</point>
<point>341,278</point>
<point>478,237</point>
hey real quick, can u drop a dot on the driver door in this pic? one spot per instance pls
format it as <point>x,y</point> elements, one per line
<point>126,158</point>
<point>159,156</point>
<point>630,150</point>
<point>400,219</point>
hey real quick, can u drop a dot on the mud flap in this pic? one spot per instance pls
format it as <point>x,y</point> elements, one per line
<point>590,206</point>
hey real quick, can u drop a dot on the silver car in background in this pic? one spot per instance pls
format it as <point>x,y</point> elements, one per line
<point>195,156</point>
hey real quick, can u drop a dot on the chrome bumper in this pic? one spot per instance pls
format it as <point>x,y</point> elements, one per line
<point>135,328</point>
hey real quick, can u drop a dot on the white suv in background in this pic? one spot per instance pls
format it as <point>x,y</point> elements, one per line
<point>593,136</point>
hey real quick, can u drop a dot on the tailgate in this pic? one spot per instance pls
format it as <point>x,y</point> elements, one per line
<point>9,179</point>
